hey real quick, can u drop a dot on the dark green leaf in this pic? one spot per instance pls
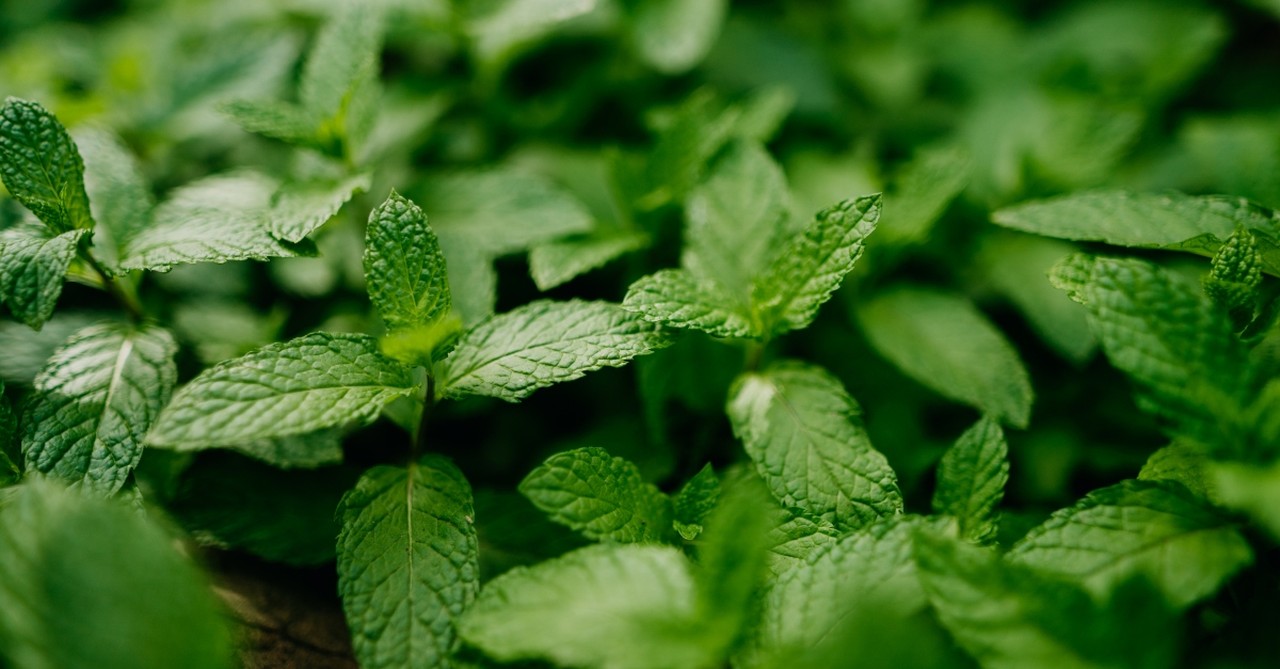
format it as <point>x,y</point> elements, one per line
<point>601,496</point>
<point>42,168</point>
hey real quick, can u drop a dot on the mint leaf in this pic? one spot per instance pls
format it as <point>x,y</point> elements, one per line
<point>735,220</point>
<point>732,560</point>
<point>604,606</point>
<point>1192,370</point>
<point>673,36</point>
<point>676,298</point>
<point>543,343</point>
<point>926,185</point>
<point>216,219</point>
<point>300,209</point>
<point>339,80</point>
<point>404,266</point>
<point>1252,490</point>
<point>306,384</point>
<point>945,343</point>
<point>68,560</point>
<point>808,270</point>
<point>802,430</point>
<point>33,267</point>
<point>26,350</point>
<point>1169,221</point>
<point>299,451</point>
<point>284,121</point>
<point>94,401</point>
<point>473,283</point>
<point>601,496</point>
<point>1184,547</point>
<point>1008,617</point>
<point>971,479</point>
<point>41,166</point>
<point>407,563</point>
<point>696,130</point>
<point>1234,276</point>
<point>694,502</point>
<point>555,263</point>
<point>794,540</point>
<point>119,195</point>
<point>9,460</point>
<point>1185,463</point>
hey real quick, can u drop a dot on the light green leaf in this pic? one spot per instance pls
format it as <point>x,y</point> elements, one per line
<point>1252,490</point>
<point>95,400</point>
<point>735,220</point>
<point>695,501</point>
<point>696,130</point>
<point>33,267</point>
<point>555,263</point>
<point>316,381</point>
<point>407,563</point>
<point>601,496</point>
<point>945,343</point>
<point>809,269</point>
<point>216,219</point>
<point>404,266</point>
<point>802,430</point>
<point>607,606</point>
<point>677,298</point>
<point>732,559</point>
<point>284,121</point>
<point>67,561</point>
<point>1183,546</point>
<point>543,343</point>
<point>1167,337</point>
<point>344,56</point>
<point>1168,221</point>
<point>1008,617</point>
<point>1234,276</point>
<point>473,283</point>
<point>41,167</point>
<point>868,570</point>
<point>796,539</point>
<point>927,184</point>
<point>971,479</point>
<point>502,210</point>
<point>673,36</point>
<point>119,196</point>
<point>300,209</point>
<point>1185,463</point>
<point>282,516</point>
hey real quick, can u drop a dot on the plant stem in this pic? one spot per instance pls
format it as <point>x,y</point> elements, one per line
<point>428,403</point>
<point>127,299</point>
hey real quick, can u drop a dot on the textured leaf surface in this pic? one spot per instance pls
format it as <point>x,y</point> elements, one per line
<point>407,563</point>
<point>557,262</point>
<point>945,343</point>
<point>1185,463</point>
<point>601,496</point>
<point>310,383</point>
<point>300,209</point>
<point>694,502</point>
<point>216,219</point>
<point>1179,543</point>
<point>404,266</point>
<point>543,343</point>
<point>67,561</point>
<point>608,606</point>
<point>94,402</point>
<point>119,195</point>
<point>33,267</point>
<point>1196,224</point>
<point>971,479</point>
<point>41,166</point>
<point>1167,337</point>
<point>673,36</point>
<point>676,298</point>
<point>796,539</point>
<point>803,431</point>
<point>810,268</point>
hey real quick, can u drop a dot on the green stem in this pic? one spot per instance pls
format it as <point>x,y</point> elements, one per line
<point>755,354</point>
<point>127,298</point>
<point>428,403</point>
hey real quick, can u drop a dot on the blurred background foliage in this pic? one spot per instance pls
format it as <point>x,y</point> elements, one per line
<point>555,143</point>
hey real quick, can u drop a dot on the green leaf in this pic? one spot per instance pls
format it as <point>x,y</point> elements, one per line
<point>810,268</point>
<point>404,266</point>
<point>473,283</point>
<point>677,298</point>
<point>227,500</point>
<point>796,539</point>
<point>732,559</point>
<point>601,496</point>
<point>300,209</point>
<point>1168,221</point>
<point>1008,617</point>
<point>284,121</point>
<point>1184,547</point>
<point>95,400</point>
<point>407,563</point>
<point>555,263</point>
<point>119,195</point>
<point>1252,490</point>
<point>946,344</point>
<point>543,343</point>
<point>1162,332</point>
<point>697,129</point>
<point>9,459</point>
<point>695,501</point>
<point>736,220</point>
<point>673,36</point>
<point>26,350</point>
<point>299,451</point>
<point>67,561</point>
<point>344,58</point>
<point>33,267</point>
<point>927,184</point>
<point>216,219</point>
<point>1234,276</point>
<point>802,430</point>
<point>306,384</point>
<point>604,606</point>
<point>867,570</point>
<point>1185,463</point>
<point>41,167</point>
<point>971,479</point>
